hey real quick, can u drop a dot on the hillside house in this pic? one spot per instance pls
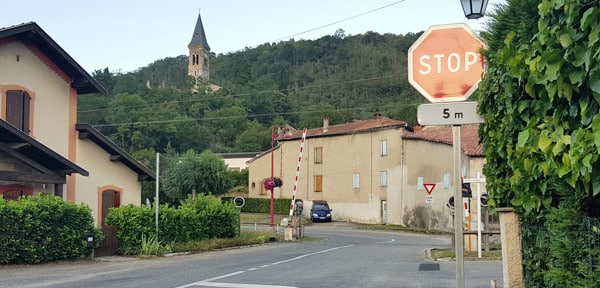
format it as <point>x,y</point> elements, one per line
<point>42,147</point>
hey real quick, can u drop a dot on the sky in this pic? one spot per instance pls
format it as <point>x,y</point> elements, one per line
<point>124,35</point>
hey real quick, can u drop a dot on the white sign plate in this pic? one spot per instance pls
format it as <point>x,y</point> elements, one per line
<point>428,199</point>
<point>448,113</point>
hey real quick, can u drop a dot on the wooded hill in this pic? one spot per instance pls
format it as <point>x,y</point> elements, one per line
<point>343,78</point>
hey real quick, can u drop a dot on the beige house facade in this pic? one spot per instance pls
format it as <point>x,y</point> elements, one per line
<point>44,150</point>
<point>428,159</point>
<point>372,171</point>
<point>349,165</point>
<point>237,161</point>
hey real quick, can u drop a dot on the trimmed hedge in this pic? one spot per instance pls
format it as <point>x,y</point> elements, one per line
<point>195,219</point>
<point>43,228</point>
<point>263,205</point>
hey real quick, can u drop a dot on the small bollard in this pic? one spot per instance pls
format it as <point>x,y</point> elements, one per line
<point>90,239</point>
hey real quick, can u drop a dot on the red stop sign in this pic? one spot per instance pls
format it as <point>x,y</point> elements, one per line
<point>445,63</point>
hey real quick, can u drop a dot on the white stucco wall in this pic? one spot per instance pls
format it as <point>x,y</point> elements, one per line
<point>51,94</point>
<point>103,172</point>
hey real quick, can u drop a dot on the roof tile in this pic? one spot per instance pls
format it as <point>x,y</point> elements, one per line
<point>443,134</point>
<point>378,122</point>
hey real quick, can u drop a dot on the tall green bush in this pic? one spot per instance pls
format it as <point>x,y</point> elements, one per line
<point>540,99</point>
<point>43,228</point>
<point>198,218</point>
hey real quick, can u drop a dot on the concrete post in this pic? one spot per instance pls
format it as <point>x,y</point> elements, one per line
<point>512,257</point>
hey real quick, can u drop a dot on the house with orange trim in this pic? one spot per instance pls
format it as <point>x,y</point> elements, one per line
<point>43,149</point>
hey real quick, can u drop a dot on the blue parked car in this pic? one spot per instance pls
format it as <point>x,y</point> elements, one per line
<point>320,211</point>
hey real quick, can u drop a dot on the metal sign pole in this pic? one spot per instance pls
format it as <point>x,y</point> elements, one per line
<point>458,211</point>
<point>156,200</point>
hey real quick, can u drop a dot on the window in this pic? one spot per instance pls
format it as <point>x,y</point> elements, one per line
<point>355,180</point>
<point>18,108</point>
<point>383,147</point>
<point>318,155</point>
<point>318,183</point>
<point>383,178</point>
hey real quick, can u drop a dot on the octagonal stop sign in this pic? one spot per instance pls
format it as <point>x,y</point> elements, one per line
<point>445,63</point>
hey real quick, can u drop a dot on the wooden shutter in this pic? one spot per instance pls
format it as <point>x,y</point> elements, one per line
<point>17,109</point>
<point>318,155</point>
<point>319,183</point>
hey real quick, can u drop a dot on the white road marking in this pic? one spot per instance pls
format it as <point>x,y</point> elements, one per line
<point>208,283</point>
<point>235,285</point>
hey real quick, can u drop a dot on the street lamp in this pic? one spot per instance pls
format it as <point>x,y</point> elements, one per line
<point>474,9</point>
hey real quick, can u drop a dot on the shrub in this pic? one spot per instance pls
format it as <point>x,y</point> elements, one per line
<point>263,205</point>
<point>43,228</point>
<point>195,219</point>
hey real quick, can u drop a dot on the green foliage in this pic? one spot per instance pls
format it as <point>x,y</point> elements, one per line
<point>151,246</point>
<point>206,173</point>
<point>540,101</point>
<point>342,77</point>
<point>196,219</point>
<point>43,228</point>
<point>561,249</point>
<point>263,205</point>
<point>247,238</point>
<point>133,222</point>
<point>239,178</point>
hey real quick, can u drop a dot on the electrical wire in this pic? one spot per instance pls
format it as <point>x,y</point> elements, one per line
<point>340,21</point>
<point>249,94</point>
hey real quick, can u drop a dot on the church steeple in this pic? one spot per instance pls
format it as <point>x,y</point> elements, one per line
<point>199,50</point>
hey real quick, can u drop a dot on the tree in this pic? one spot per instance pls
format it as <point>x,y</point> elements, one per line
<point>254,139</point>
<point>204,173</point>
<point>540,102</point>
<point>226,123</point>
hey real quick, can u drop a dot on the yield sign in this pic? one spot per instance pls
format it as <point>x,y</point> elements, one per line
<point>429,187</point>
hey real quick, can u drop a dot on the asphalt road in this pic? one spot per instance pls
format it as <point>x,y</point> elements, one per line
<point>345,258</point>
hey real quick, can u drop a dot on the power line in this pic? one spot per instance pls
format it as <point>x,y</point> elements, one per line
<point>230,117</point>
<point>340,21</point>
<point>249,94</point>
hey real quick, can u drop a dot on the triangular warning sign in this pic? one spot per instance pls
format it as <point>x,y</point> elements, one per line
<point>429,187</point>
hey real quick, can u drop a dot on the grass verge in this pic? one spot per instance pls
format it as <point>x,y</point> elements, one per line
<point>441,254</point>
<point>247,238</point>
<point>399,228</point>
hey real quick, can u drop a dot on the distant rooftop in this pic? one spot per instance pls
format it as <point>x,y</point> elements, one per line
<point>443,134</point>
<point>359,126</point>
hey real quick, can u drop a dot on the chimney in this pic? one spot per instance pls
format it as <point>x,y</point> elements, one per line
<point>325,124</point>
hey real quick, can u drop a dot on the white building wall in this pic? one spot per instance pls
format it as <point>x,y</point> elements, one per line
<point>51,94</point>
<point>102,173</point>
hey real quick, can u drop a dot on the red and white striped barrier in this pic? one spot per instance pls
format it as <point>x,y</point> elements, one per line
<point>297,172</point>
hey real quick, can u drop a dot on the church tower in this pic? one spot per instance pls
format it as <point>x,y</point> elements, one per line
<point>198,53</point>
